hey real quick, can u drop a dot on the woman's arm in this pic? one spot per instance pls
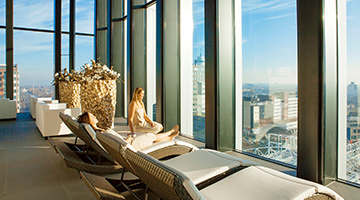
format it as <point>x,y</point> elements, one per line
<point>147,118</point>
<point>131,116</point>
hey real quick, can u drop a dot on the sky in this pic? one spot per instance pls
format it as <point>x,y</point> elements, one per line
<point>269,35</point>
<point>34,51</point>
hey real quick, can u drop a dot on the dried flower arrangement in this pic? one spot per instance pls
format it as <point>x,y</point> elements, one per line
<point>96,71</point>
<point>98,92</point>
<point>93,89</point>
<point>66,76</point>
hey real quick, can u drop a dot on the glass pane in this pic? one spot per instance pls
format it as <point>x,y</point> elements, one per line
<point>34,14</point>
<point>34,57</point>
<point>102,47</point>
<point>102,14</point>
<point>270,79</point>
<point>151,62</point>
<point>65,15</point>
<point>349,63</point>
<point>198,71</point>
<point>84,51</point>
<point>65,51</point>
<point>2,12</point>
<point>2,63</point>
<point>85,16</point>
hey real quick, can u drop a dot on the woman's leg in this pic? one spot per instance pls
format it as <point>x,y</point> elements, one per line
<point>169,135</point>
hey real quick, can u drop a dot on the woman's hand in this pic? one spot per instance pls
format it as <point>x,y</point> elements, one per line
<point>132,134</point>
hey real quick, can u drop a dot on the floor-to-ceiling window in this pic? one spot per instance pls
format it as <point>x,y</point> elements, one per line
<point>349,123</point>
<point>84,28</point>
<point>65,42</point>
<point>269,74</point>
<point>198,71</point>
<point>2,48</point>
<point>33,49</point>
<point>151,60</point>
<point>33,40</point>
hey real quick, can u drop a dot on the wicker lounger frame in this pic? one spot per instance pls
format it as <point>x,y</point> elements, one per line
<point>105,166</point>
<point>100,186</point>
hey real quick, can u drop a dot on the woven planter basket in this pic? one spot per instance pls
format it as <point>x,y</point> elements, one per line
<point>99,98</point>
<point>70,93</point>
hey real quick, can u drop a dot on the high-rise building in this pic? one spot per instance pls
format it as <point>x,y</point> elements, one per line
<point>285,109</point>
<point>352,99</point>
<point>199,86</point>
<point>16,84</point>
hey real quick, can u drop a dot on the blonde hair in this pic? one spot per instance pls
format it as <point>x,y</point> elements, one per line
<point>135,94</point>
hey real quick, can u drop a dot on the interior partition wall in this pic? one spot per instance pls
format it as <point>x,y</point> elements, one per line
<point>310,153</point>
<point>221,48</point>
<point>101,34</point>
<point>9,49</point>
<point>118,52</point>
<point>168,62</point>
<point>137,46</point>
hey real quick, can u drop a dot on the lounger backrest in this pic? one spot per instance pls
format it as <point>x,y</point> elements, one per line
<point>80,132</point>
<point>162,179</point>
<point>92,133</point>
<point>115,145</point>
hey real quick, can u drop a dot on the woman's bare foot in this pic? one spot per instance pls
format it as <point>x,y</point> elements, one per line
<point>174,134</point>
<point>175,129</point>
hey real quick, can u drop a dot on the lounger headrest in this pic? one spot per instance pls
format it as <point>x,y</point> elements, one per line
<point>92,133</point>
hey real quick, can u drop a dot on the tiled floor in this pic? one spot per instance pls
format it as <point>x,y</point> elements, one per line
<point>31,169</point>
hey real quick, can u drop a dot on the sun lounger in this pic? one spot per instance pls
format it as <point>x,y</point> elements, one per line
<point>202,174</point>
<point>204,166</point>
<point>253,182</point>
<point>93,146</point>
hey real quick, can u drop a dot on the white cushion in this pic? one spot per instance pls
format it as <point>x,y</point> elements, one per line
<point>118,138</point>
<point>320,188</point>
<point>158,145</point>
<point>204,164</point>
<point>255,183</point>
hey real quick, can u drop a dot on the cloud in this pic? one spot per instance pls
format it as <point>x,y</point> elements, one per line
<point>279,16</point>
<point>198,12</point>
<point>264,6</point>
<point>199,44</point>
<point>35,13</point>
<point>25,42</point>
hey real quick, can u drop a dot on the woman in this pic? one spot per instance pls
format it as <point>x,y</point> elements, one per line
<point>138,120</point>
<point>138,141</point>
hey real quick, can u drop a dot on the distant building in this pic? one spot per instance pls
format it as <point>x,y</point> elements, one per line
<point>352,99</point>
<point>199,86</point>
<point>289,105</point>
<point>353,129</point>
<point>16,84</point>
<point>280,109</point>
